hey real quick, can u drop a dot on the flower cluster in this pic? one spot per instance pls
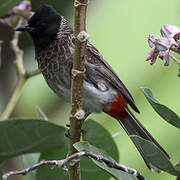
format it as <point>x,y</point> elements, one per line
<point>21,11</point>
<point>162,45</point>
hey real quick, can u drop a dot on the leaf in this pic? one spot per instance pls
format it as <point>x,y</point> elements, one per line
<point>46,172</point>
<point>20,136</point>
<point>7,5</point>
<point>99,137</point>
<point>118,174</point>
<point>178,169</point>
<point>96,135</point>
<point>41,114</point>
<point>166,113</point>
<point>155,155</point>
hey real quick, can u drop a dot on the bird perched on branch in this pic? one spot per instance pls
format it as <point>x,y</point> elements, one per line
<point>103,91</point>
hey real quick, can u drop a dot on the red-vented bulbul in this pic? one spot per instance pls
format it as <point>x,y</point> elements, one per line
<point>102,89</point>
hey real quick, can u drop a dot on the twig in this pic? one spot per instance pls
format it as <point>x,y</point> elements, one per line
<point>77,113</point>
<point>22,75</point>
<point>63,163</point>
<point>16,94</point>
<point>14,98</point>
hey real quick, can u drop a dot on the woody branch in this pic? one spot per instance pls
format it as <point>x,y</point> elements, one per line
<point>76,156</point>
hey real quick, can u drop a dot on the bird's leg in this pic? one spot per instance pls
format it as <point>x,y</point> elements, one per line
<point>83,132</point>
<point>67,134</point>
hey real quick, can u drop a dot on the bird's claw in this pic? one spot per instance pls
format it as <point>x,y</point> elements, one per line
<point>67,133</point>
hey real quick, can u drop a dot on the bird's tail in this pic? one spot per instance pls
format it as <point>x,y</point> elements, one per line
<point>133,127</point>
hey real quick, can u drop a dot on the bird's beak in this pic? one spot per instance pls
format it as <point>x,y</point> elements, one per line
<point>25,28</point>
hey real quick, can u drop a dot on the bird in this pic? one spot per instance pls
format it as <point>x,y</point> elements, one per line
<point>103,91</point>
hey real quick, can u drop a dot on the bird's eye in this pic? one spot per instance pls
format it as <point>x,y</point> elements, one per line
<point>42,25</point>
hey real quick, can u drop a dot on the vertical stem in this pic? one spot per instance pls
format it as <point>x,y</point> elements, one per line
<point>21,72</point>
<point>77,83</point>
<point>13,101</point>
<point>22,75</point>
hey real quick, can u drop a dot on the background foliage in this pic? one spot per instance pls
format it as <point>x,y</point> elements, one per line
<point>119,29</point>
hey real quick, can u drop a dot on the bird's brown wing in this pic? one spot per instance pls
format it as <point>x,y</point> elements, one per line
<point>109,74</point>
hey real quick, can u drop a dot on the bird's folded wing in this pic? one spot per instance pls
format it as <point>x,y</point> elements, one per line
<point>109,74</point>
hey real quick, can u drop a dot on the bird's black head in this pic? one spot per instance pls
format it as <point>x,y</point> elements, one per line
<point>43,26</point>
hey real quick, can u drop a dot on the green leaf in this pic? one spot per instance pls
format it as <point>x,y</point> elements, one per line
<point>41,114</point>
<point>166,113</point>
<point>96,135</point>
<point>7,5</point>
<point>20,136</point>
<point>155,155</point>
<point>47,172</point>
<point>120,175</point>
<point>99,137</point>
<point>177,167</point>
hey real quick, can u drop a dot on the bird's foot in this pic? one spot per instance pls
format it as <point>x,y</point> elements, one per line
<point>67,133</point>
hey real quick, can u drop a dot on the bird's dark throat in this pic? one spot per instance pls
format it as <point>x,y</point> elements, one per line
<point>42,42</point>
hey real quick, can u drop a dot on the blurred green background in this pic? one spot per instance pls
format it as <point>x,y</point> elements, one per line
<point>119,29</point>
